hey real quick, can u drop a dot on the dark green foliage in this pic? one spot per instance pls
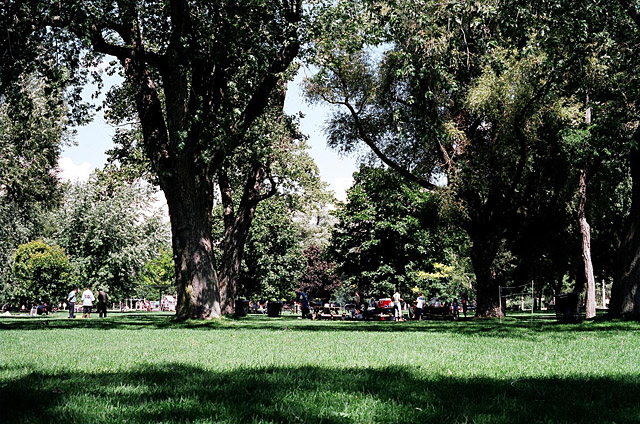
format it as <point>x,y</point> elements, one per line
<point>494,96</point>
<point>273,256</point>
<point>389,234</point>
<point>198,74</point>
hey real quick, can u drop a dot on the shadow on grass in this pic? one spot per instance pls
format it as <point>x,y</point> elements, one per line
<point>171,393</point>
<point>516,327</point>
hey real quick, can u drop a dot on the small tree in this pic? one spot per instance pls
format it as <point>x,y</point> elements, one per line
<point>158,276</point>
<point>42,273</point>
<point>318,278</point>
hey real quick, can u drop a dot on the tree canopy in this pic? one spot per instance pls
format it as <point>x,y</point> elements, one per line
<point>484,103</point>
<point>198,75</point>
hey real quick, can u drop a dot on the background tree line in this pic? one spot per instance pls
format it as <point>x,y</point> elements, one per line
<point>510,128</point>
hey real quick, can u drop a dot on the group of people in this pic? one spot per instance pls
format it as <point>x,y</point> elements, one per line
<point>435,304</point>
<point>416,309</point>
<point>87,302</point>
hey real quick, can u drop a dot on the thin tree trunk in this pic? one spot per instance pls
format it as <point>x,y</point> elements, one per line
<point>237,226</point>
<point>585,231</point>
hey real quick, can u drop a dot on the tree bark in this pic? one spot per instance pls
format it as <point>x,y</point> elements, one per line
<point>190,205</point>
<point>484,249</point>
<point>625,293</point>
<point>585,232</point>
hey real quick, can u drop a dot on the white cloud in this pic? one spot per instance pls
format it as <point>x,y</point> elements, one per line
<point>340,186</point>
<point>69,171</point>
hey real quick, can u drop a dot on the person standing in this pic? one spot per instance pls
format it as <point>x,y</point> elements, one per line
<point>87,302</point>
<point>397,306</point>
<point>304,303</point>
<point>455,309</point>
<point>102,303</point>
<point>419,307</point>
<point>464,305</point>
<point>71,300</point>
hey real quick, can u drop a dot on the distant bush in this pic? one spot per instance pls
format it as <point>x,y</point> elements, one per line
<point>42,273</point>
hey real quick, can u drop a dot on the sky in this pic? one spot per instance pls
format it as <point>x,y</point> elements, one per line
<point>93,140</point>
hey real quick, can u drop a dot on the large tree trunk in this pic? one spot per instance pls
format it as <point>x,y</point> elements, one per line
<point>190,201</point>
<point>585,231</point>
<point>625,293</point>
<point>483,253</point>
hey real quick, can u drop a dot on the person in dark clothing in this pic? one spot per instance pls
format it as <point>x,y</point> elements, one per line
<point>304,303</point>
<point>42,309</point>
<point>102,303</point>
<point>465,300</point>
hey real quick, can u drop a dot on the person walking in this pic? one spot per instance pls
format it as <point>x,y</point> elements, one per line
<point>71,300</point>
<point>397,306</point>
<point>87,302</point>
<point>102,303</point>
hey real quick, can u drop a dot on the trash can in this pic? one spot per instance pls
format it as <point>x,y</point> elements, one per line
<point>242,308</point>
<point>274,309</point>
<point>567,307</point>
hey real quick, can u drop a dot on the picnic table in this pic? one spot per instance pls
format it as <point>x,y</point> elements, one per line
<point>327,311</point>
<point>444,311</point>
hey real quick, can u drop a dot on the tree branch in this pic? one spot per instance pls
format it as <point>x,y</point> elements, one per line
<point>282,61</point>
<point>362,133</point>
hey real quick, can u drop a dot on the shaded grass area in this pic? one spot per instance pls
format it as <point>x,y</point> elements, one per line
<point>148,368</point>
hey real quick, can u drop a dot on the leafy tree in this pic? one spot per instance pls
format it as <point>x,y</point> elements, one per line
<point>389,234</point>
<point>110,231</point>
<point>276,164</point>
<point>31,135</point>
<point>471,94</point>
<point>42,274</point>
<point>625,293</point>
<point>318,278</point>
<point>158,275</point>
<point>198,76</point>
<point>273,260</point>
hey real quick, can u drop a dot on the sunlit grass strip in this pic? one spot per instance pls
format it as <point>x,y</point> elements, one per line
<point>147,368</point>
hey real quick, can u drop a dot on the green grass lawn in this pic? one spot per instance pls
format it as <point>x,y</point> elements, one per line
<point>147,368</point>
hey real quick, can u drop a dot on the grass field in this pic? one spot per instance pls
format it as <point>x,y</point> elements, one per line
<point>147,368</point>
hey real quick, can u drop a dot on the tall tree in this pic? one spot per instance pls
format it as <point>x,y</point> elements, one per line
<point>31,137</point>
<point>625,293</point>
<point>199,75</point>
<point>110,231</point>
<point>468,90</point>
<point>277,164</point>
<point>389,234</point>
<point>274,258</point>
